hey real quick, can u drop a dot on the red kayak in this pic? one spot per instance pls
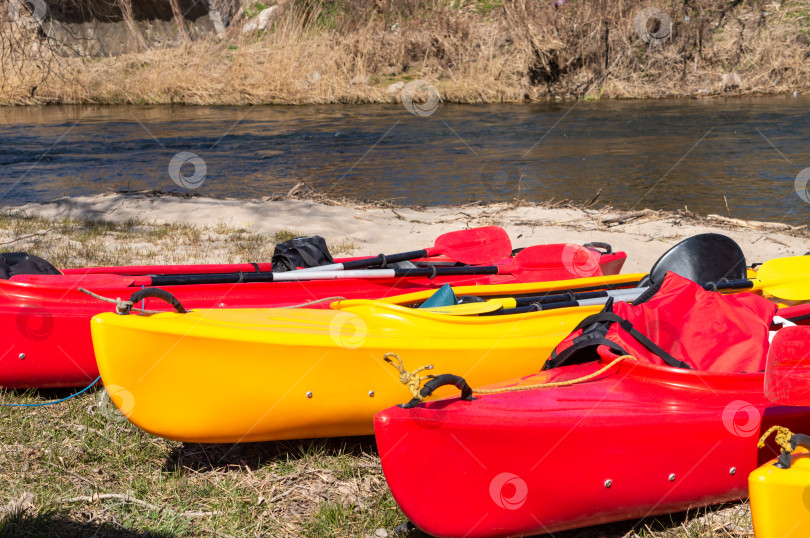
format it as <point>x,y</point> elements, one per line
<point>46,318</point>
<point>635,441</point>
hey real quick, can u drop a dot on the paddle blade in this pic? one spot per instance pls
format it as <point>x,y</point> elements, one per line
<point>479,246</point>
<point>443,297</point>
<point>786,278</point>
<point>787,373</point>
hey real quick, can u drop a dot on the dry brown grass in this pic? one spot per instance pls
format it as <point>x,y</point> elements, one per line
<point>69,243</point>
<point>473,51</point>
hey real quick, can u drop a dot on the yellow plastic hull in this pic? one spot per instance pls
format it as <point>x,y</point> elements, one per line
<point>780,498</point>
<point>268,374</point>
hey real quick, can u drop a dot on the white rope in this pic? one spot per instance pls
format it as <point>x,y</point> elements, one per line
<point>120,306</point>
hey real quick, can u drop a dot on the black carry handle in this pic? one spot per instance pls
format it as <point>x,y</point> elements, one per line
<point>156,293</point>
<point>596,245</point>
<point>440,381</point>
<point>796,440</point>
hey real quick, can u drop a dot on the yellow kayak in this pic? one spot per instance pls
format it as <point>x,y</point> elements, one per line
<point>780,497</point>
<point>239,375</point>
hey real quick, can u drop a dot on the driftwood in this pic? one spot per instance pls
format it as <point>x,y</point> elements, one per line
<point>621,219</point>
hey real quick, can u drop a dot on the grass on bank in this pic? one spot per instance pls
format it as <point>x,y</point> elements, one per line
<point>80,469</point>
<point>69,243</point>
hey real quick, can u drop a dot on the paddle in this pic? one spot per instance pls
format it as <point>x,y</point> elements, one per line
<point>531,259</point>
<point>474,246</point>
<point>785,278</point>
<point>787,373</point>
<point>511,303</point>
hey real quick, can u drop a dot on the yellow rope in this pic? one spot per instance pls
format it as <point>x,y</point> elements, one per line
<point>409,379</point>
<point>783,436</point>
<point>413,381</point>
<point>557,383</point>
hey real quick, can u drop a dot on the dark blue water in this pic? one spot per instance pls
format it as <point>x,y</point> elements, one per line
<point>702,154</point>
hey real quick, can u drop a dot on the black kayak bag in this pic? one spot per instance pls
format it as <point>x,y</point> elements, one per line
<point>20,263</point>
<point>307,251</point>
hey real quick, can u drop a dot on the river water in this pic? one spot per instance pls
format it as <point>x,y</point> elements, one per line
<point>737,157</point>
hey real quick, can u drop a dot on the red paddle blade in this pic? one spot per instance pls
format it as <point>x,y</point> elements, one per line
<point>787,374</point>
<point>562,261</point>
<point>479,246</point>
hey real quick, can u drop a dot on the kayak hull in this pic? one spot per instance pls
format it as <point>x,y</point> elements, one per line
<point>258,375</point>
<point>46,319</point>
<point>637,441</point>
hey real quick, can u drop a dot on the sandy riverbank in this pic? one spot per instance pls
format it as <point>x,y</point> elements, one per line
<point>366,229</point>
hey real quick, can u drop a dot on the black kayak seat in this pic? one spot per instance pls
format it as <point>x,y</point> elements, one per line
<point>702,258</point>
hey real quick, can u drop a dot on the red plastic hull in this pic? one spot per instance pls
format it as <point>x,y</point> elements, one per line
<point>46,321</point>
<point>638,441</point>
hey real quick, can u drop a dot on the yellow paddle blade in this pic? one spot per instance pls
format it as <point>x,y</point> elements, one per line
<point>786,278</point>
<point>472,309</point>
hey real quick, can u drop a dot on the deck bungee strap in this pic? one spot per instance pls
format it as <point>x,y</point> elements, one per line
<point>412,381</point>
<point>676,323</point>
<point>597,326</point>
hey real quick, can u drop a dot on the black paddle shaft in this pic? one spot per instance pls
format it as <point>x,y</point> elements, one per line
<point>553,302</point>
<point>383,260</point>
<point>237,278</point>
<point>573,296</point>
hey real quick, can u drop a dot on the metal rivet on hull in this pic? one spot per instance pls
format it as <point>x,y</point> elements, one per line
<point>732,471</point>
<point>309,394</point>
<point>608,483</point>
<point>672,477</point>
<point>21,356</point>
<point>371,394</point>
